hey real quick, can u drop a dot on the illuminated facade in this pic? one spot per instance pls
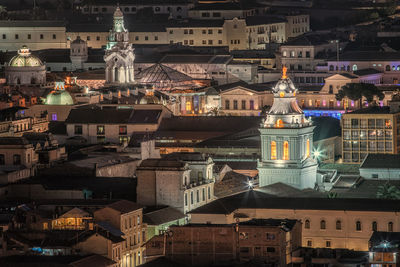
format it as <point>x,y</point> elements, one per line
<point>286,139</point>
<point>25,68</point>
<point>119,54</point>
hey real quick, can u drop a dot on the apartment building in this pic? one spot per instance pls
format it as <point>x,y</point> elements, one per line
<point>370,130</point>
<point>174,8</point>
<point>126,217</point>
<point>181,184</point>
<point>307,51</point>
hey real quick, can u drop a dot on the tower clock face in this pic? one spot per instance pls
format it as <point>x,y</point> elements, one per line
<point>282,86</point>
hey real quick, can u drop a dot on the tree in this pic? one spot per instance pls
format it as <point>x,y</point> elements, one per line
<point>388,191</point>
<point>215,111</point>
<point>356,92</point>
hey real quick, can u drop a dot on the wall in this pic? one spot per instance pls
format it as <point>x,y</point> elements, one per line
<point>347,238</point>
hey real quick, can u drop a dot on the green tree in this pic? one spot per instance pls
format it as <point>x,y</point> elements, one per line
<point>388,191</point>
<point>356,92</point>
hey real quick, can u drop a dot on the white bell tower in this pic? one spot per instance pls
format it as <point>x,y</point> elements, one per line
<point>119,56</point>
<point>286,141</point>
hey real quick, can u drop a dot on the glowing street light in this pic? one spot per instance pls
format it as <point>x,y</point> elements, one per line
<point>317,154</point>
<point>250,184</point>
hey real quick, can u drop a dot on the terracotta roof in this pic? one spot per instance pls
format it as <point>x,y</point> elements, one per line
<point>124,206</point>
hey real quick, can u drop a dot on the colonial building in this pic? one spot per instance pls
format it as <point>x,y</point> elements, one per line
<point>119,55</point>
<point>113,124</point>
<point>175,183</point>
<point>327,222</point>
<point>126,217</point>
<point>25,68</point>
<point>286,141</point>
<point>271,241</point>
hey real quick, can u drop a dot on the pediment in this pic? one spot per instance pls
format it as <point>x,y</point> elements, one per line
<point>239,90</point>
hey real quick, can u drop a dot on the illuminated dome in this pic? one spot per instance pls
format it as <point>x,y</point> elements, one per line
<point>285,112</point>
<point>25,59</point>
<point>59,96</point>
<point>25,68</point>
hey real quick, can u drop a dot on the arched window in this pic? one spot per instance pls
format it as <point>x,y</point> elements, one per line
<point>354,67</point>
<point>390,226</point>
<point>387,68</point>
<point>17,159</point>
<point>279,124</point>
<point>322,225</point>
<point>286,150</point>
<point>358,226</point>
<point>308,148</point>
<point>273,150</point>
<point>338,225</point>
<point>188,106</point>
<point>398,67</point>
<point>307,224</point>
<point>330,67</point>
<point>374,226</point>
<point>348,68</point>
<point>393,68</point>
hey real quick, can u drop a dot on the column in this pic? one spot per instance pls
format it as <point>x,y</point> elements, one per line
<point>112,75</point>
<point>107,74</point>
<point>127,79</point>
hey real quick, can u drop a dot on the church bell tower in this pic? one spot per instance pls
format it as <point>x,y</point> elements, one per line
<point>286,141</point>
<point>119,55</point>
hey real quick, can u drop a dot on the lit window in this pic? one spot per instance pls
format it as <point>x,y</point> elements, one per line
<point>273,150</point>
<point>308,148</point>
<point>279,124</point>
<point>188,106</point>
<point>286,150</point>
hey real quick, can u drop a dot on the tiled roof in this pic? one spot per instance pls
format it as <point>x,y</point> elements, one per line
<point>6,141</point>
<point>257,200</point>
<point>381,161</point>
<point>267,19</point>
<point>372,110</point>
<point>124,206</point>
<point>161,73</point>
<point>161,164</point>
<point>365,72</point>
<point>368,56</point>
<point>31,23</point>
<point>163,215</point>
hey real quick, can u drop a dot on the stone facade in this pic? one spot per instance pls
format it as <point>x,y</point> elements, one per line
<point>119,55</point>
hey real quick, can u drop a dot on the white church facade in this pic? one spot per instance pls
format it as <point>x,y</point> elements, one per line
<point>119,56</point>
<point>286,141</point>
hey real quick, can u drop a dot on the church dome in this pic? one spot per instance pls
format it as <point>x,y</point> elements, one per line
<point>59,97</point>
<point>25,59</point>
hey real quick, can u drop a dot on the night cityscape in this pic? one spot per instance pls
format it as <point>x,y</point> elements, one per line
<point>199,133</point>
